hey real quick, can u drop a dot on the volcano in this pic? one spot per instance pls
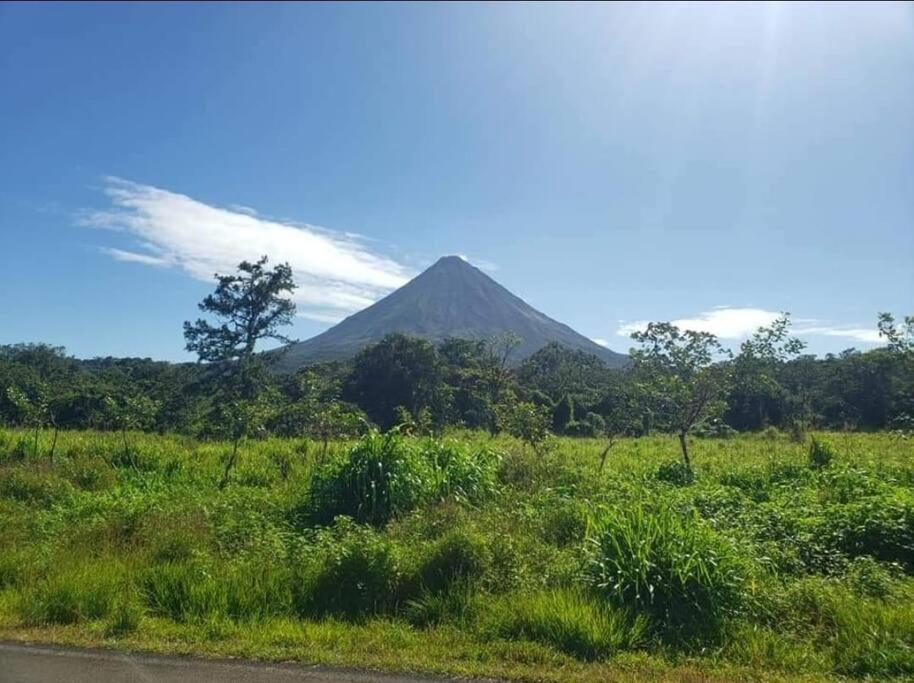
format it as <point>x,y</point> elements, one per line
<point>452,298</point>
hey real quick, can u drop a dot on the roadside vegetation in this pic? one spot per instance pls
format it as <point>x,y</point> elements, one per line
<point>470,553</point>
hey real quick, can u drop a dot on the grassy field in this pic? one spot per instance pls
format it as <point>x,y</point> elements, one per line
<point>471,555</point>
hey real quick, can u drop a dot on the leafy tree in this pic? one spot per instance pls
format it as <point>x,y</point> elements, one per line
<point>526,421</point>
<point>495,368</point>
<point>562,414</point>
<point>468,372</point>
<point>251,306</point>
<point>336,420</point>
<point>35,412</point>
<point>622,411</point>
<point>130,413</point>
<point>900,336</point>
<point>398,371</point>
<point>558,371</point>
<point>240,418</point>
<point>757,393</point>
<point>678,370</point>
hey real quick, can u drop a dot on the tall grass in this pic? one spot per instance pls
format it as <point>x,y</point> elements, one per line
<point>670,566</point>
<point>568,620</point>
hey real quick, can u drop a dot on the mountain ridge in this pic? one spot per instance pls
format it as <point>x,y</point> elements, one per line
<point>451,298</point>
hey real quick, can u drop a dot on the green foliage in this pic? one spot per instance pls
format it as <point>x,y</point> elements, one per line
<point>72,594</point>
<point>676,473</point>
<point>496,552</point>
<point>680,376</point>
<point>124,618</point>
<point>871,578</point>
<point>461,471</point>
<point>672,567</point>
<point>879,526</point>
<point>182,591</point>
<point>398,371</point>
<point>821,454</point>
<point>458,556</point>
<point>562,414</point>
<point>33,487</point>
<point>251,304</point>
<point>386,475</point>
<point>525,421</point>
<point>354,573</point>
<point>379,478</point>
<point>567,620</point>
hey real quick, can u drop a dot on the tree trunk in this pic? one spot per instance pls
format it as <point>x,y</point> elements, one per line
<point>53,443</point>
<point>603,456</point>
<point>229,465</point>
<point>685,449</point>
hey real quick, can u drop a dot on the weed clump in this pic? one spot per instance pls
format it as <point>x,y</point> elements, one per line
<point>73,594</point>
<point>381,477</point>
<point>568,620</point>
<point>673,568</point>
<point>821,454</point>
<point>458,556</point>
<point>676,473</point>
<point>355,572</point>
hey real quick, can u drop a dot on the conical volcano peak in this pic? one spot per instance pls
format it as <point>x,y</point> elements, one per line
<point>452,261</point>
<point>451,298</point>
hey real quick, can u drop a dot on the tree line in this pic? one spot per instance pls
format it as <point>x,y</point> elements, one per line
<point>679,381</point>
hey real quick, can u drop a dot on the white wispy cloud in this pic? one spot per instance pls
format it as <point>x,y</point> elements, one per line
<point>737,323</point>
<point>601,342</point>
<point>860,334</point>
<point>134,257</point>
<point>726,323</point>
<point>336,274</point>
<point>482,264</point>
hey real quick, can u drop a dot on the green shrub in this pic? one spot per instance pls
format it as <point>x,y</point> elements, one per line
<point>770,433</point>
<point>567,620</point>
<point>821,454</point>
<point>714,429</point>
<point>676,473</point>
<point>176,544</point>
<point>564,520</point>
<point>870,578</point>
<point>460,555</point>
<point>672,567</point>
<point>91,476</point>
<point>882,527</point>
<point>751,481</point>
<point>354,572</point>
<point>381,477</point>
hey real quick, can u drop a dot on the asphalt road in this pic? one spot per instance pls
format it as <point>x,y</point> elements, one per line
<point>21,663</point>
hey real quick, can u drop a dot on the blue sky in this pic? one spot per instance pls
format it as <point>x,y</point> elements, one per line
<point>711,164</point>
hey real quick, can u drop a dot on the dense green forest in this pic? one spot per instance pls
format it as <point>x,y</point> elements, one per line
<point>459,383</point>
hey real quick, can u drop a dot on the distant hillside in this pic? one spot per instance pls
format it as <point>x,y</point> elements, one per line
<point>450,299</point>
